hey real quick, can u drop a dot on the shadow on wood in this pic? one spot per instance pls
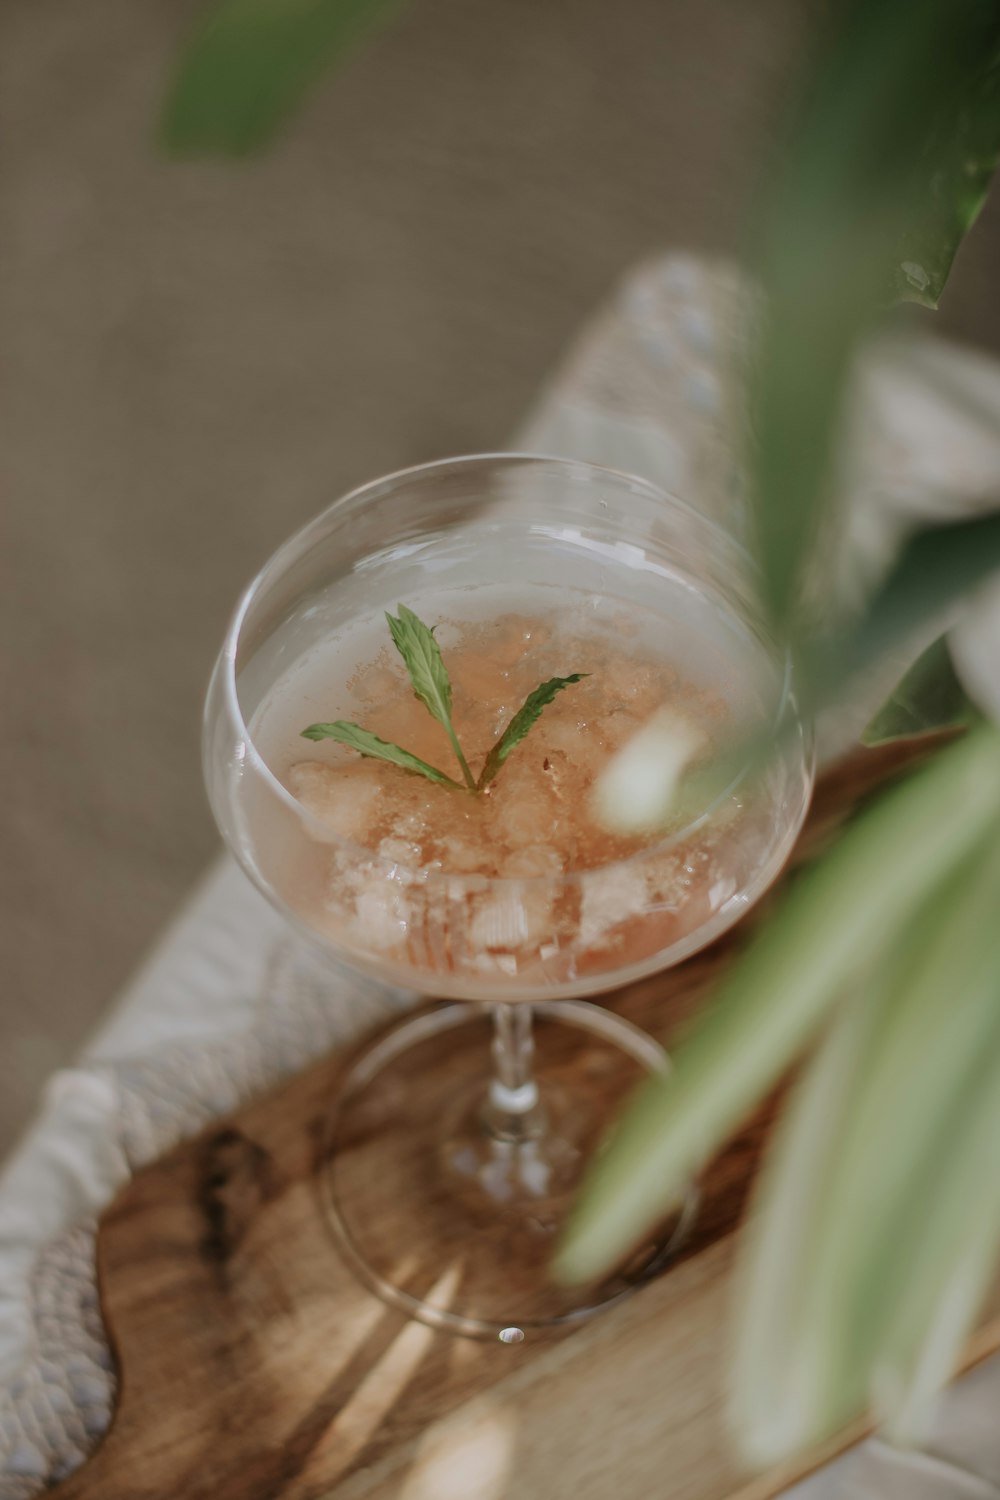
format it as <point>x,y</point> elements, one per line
<point>253,1366</point>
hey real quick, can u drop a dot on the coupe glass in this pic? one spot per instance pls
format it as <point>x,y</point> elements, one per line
<point>457,1139</point>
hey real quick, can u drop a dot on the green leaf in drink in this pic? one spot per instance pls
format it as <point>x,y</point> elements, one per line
<point>431,684</point>
<point>526,716</point>
<point>370,745</point>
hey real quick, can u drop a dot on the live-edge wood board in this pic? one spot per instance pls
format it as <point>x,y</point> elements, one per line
<point>253,1366</point>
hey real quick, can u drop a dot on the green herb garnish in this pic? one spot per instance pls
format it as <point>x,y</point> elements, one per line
<point>520,724</point>
<point>428,674</point>
<point>431,684</point>
<point>369,745</point>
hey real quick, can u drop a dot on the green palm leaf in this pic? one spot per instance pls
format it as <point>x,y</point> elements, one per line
<point>860,1172</point>
<point>833,921</point>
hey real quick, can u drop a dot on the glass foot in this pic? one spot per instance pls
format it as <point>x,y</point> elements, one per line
<point>448,1202</point>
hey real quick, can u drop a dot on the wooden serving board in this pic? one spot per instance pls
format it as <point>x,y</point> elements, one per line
<point>253,1366</point>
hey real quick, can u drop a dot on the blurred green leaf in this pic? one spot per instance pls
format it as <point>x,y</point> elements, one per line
<point>955,180</point>
<point>250,64</point>
<point>887,169</point>
<point>951,1264</point>
<point>831,924</point>
<point>773,1390</point>
<point>937,567</point>
<point>921,1034</point>
<point>930,697</point>
<point>893,83</point>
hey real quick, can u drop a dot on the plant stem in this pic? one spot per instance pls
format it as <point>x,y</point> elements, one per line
<point>470,780</point>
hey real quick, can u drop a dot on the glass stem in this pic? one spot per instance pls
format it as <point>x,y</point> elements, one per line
<point>513,1095</point>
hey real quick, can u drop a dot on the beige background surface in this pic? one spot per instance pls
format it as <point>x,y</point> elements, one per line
<point>195,358</point>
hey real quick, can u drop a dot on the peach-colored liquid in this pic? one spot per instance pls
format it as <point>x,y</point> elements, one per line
<point>519,882</point>
<point>534,819</point>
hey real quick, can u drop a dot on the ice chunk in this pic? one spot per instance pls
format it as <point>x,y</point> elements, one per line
<point>524,818</point>
<point>516,636</point>
<point>637,685</point>
<point>401,852</point>
<point>509,918</point>
<point>383,913</point>
<point>610,896</point>
<point>448,634</point>
<point>344,803</point>
<point>456,855</point>
<point>669,879</point>
<point>459,887</point>
<point>533,862</point>
<point>377,683</point>
<point>614,728</point>
<point>500,921</point>
<point>409,825</point>
<point>560,735</point>
<point>493,963</point>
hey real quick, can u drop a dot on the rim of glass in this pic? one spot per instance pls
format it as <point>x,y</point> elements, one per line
<point>293,547</point>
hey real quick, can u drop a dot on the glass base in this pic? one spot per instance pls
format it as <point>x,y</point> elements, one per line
<point>450,1208</point>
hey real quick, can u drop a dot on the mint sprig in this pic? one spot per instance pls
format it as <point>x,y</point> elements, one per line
<point>368,744</point>
<point>431,684</point>
<point>428,674</point>
<point>526,716</point>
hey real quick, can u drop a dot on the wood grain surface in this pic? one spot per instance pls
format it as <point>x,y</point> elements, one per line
<point>253,1366</point>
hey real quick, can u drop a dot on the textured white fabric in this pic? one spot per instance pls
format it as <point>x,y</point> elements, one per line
<point>108,1118</point>
<point>230,1002</point>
